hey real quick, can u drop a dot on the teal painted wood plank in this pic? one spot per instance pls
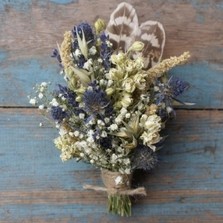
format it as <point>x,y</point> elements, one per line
<point>18,79</point>
<point>206,82</point>
<point>38,24</point>
<point>42,24</point>
<point>95,214</point>
<point>35,186</point>
<point>23,5</point>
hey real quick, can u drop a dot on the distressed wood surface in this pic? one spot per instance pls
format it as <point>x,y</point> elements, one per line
<point>29,31</point>
<point>35,186</point>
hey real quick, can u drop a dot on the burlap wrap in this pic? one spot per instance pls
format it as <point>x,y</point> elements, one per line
<point>117,183</point>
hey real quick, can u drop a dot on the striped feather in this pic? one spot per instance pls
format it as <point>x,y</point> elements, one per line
<point>123,29</point>
<point>152,34</point>
<point>123,26</point>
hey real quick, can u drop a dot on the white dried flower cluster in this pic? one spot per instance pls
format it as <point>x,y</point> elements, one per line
<point>88,65</point>
<point>67,147</point>
<point>33,101</point>
<point>152,126</point>
<point>90,152</point>
<point>93,50</point>
<point>40,90</point>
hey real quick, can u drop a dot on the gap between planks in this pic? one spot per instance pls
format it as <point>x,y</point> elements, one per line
<point>177,109</point>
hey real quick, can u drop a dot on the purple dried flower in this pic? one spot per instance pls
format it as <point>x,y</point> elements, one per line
<point>178,86</point>
<point>68,94</point>
<point>86,29</point>
<point>96,101</point>
<point>57,113</point>
<point>106,51</point>
<point>163,98</point>
<point>56,54</point>
<point>75,45</point>
<point>80,62</point>
<point>166,93</point>
<point>70,97</point>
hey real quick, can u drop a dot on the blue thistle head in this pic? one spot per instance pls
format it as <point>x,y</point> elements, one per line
<point>106,51</point>
<point>163,93</point>
<point>75,45</point>
<point>86,29</point>
<point>171,89</point>
<point>166,93</point>
<point>56,54</point>
<point>70,97</point>
<point>57,113</point>
<point>80,62</point>
<point>68,94</point>
<point>143,158</point>
<point>96,101</point>
<point>178,86</point>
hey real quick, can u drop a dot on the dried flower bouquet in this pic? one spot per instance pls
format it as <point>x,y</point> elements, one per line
<point>116,100</point>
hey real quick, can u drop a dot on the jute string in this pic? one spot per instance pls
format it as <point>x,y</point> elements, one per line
<point>116,183</point>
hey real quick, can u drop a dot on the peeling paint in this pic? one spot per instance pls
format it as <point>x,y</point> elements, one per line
<point>17,79</point>
<point>23,5</point>
<point>206,83</point>
<point>18,4</point>
<point>200,18</point>
<point>3,55</point>
<point>63,1</point>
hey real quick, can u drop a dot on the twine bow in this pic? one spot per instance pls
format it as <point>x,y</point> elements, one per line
<point>116,183</point>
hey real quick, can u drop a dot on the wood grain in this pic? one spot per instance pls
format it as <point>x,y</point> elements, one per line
<point>29,30</point>
<point>36,186</point>
<point>18,79</point>
<point>35,28</point>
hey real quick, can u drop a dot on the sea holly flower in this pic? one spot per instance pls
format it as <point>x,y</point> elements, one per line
<point>81,61</point>
<point>67,94</point>
<point>84,38</point>
<point>166,92</point>
<point>96,101</point>
<point>56,55</point>
<point>143,158</point>
<point>83,29</point>
<point>105,50</point>
<point>57,113</point>
<point>68,98</point>
<point>177,86</point>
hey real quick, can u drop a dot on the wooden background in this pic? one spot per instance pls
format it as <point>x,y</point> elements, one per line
<point>35,186</point>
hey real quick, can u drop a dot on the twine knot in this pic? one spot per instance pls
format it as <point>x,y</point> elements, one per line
<point>116,183</point>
